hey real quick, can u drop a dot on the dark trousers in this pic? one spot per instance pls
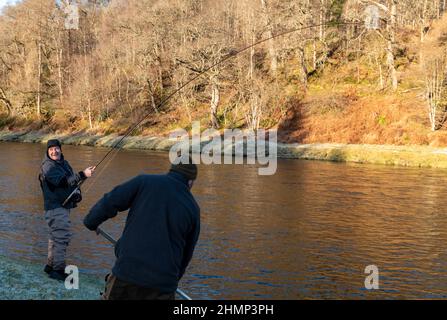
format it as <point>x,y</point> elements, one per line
<point>59,236</point>
<point>117,289</point>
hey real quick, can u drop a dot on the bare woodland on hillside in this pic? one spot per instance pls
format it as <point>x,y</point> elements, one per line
<point>129,55</point>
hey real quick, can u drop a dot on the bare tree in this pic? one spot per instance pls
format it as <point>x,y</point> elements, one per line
<point>269,33</point>
<point>435,90</point>
<point>389,13</point>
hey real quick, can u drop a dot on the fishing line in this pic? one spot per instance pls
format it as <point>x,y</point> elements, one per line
<point>232,54</point>
<point>102,171</point>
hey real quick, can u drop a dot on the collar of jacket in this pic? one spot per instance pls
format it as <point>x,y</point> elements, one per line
<point>178,176</point>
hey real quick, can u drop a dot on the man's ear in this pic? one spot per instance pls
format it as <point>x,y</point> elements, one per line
<point>190,183</point>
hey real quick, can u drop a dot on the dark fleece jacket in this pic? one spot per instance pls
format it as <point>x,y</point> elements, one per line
<point>161,231</point>
<point>58,181</point>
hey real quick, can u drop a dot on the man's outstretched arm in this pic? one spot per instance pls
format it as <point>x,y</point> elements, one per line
<point>117,200</point>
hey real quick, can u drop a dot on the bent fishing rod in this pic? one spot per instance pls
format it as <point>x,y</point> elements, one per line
<point>232,54</point>
<point>113,241</point>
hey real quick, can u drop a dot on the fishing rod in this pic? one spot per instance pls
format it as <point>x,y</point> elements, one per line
<point>113,241</point>
<point>230,55</point>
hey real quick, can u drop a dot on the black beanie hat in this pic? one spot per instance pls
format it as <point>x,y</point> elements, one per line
<point>188,170</point>
<point>53,143</point>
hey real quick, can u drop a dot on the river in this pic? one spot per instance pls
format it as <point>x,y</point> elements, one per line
<point>307,232</point>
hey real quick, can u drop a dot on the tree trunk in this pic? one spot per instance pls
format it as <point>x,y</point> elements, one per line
<point>379,65</point>
<point>322,19</point>
<point>89,113</point>
<point>87,84</point>
<point>69,54</point>
<point>391,67</point>
<point>6,102</point>
<point>215,97</point>
<point>39,76</point>
<point>423,21</point>
<point>252,55</point>
<point>151,94</point>
<point>302,61</point>
<point>271,42</point>
<point>390,45</point>
<point>60,76</point>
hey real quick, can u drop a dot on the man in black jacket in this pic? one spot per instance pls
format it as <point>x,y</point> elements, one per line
<point>58,181</point>
<point>161,231</point>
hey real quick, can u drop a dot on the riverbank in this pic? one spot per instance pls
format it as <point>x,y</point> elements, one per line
<point>411,156</point>
<point>27,281</point>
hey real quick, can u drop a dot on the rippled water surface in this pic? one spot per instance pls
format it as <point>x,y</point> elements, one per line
<point>307,232</point>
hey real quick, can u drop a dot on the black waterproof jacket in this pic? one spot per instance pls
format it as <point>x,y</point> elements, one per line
<point>58,181</point>
<point>161,231</point>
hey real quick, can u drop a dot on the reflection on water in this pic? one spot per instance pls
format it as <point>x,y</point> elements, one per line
<point>307,232</point>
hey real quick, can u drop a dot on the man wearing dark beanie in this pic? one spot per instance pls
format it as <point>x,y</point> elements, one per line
<point>161,232</point>
<point>58,181</point>
<point>187,170</point>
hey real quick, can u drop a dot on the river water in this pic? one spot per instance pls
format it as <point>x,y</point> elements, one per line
<point>308,231</point>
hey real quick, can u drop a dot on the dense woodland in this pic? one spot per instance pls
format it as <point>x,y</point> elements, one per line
<point>338,72</point>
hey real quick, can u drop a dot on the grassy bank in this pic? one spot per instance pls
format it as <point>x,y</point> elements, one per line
<point>26,281</point>
<point>80,138</point>
<point>411,156</point>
